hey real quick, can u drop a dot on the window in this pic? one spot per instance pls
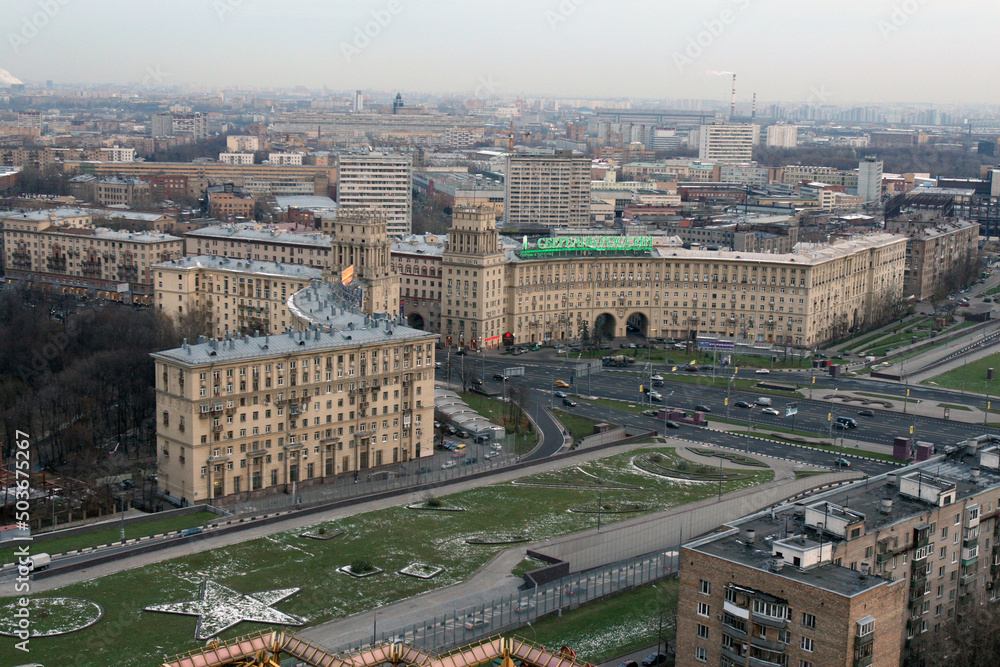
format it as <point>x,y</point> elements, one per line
<point>700,654</point>
<point>706,587</point>
<point>704,609</point>
<point>807,644</point>
<point>702,631</point>
<point>808,620</point>
<point>805,663</point>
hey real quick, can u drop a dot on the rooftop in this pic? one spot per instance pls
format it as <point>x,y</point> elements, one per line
<point>253,231</point>
<point>431,245</point>
<point>296,271</point>
<point>310,202</point>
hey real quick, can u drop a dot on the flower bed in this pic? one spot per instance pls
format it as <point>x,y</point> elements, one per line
<point>609,509</point>
<point>421,570</point>
<point>348,571</point>
<point>313,535</point>
<point>51,616</point>
<point>498,539</point>
<point>431,508</point>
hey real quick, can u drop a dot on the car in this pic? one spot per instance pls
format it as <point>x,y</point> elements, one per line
<point>656,377</point>
<point>561,383</point>
<point>866,413</point>
<point>820,355</point>
<point>631,346</point>
<point>770,411</point>
<point>623,346</point>
<point>654,659</point>
<point>451,430</point>
<point>489,455</point>
<point>707,367</point>
<point>742,404</point>
<point>500,377</point>
<point>462,434</point>
<point>841,462</point>
<point>448,464</point>
<point>702,408</point>
<point>474,623</point>
<point>423,471</point>
<point>569,402</point>
<point>840,426</point>
<point>477,382</point>
<point>460,352</point>
<point>605,347</point>
<point>691,369</point>
<point>470,461</point>
<point>524,605</point>
<point>535,348</point>
<point>628,663</point>
<point>437,364</point>
<point>657,383</point>
<point>655,396</point>
<point>559,394</point>
<point>671,424</point>
<point>650,413</point>
<point>762,371</point>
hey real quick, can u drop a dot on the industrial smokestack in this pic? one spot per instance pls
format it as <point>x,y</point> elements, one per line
<point>732,104</point>
<point>753,107</point>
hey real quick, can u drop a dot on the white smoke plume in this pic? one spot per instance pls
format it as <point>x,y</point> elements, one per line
<point>8,79</point>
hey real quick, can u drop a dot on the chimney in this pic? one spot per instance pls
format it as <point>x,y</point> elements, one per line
<point>732,104</point>
<point>864,571</point>
<point>751,535</point>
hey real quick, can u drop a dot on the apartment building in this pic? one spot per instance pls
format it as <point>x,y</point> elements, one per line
<point>865,574</point>
<point>361,250</point>
<point>728,142</point>
<point>236,158</point>
<point>552,290</point>
<point>380,182</point>
<point>252,240</point>
<point>285,159</point>
<point>229,202</point>
<point>935,249</point>
<point>67,254</point>
<point>117,154</point>
<point>242,143</point>
<point>255,178</point>
<point>129,192</point>
<point>782,136</point>
<point>870,180</point>
<point>547,190</point>
<point>243,296</point>
<point>255,415</point>
<point>417,261</point>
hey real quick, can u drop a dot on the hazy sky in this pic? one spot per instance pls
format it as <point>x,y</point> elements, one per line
<point>836,51</point>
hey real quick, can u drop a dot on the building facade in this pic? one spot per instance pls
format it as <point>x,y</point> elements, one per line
<point>69,255</point>
<point>129,192</point>
<point>243,296</point>
<point>865,574</point>
<point>251,240</point>
<point>935,249</point>
<point>236,158</point>
<point>552,191</point>
<point>870,180</point>
<point>229,202</point>
<point>782,136</point>
<point>417,261</point>
<point>248,416</point>
<point>380,182</point>
<point>361,248</point>
<point>727,142</point>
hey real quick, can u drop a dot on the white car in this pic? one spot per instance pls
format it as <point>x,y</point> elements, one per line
<point>770,411</point>
<point>448,464</point>
<point>763,371</point>
<point>656,377</point>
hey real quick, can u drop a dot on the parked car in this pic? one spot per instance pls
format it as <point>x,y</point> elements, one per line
<point>841,462</point>
<point>742,404</point>
<point>671,424</point>
<point>770,411</point>
<point>448,464</point>
<point>654,659</point>
<point>702,408</point>
<point>866,413</point>
<point>569,402</point>
<point>628,663</point>
<point>707,367</point>
<point>605,346</point>
<point>560,394</point>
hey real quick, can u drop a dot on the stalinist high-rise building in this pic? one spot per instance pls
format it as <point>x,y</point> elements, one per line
<point>361,241</point>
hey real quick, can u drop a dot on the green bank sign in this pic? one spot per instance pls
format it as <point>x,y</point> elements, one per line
<point>570,243</point>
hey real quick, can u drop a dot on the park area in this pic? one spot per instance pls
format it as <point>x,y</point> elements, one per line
<point>457,533</point>
<point>971,377</point>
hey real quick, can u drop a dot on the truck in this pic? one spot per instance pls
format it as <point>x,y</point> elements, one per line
<point>618,360</point>
<point>763,401</point>
<point>39,561</point>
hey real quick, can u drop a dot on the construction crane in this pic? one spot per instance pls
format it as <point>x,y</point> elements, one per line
<point>511,133</point>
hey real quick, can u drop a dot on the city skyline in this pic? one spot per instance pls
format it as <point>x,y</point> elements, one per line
<point>865,52</point>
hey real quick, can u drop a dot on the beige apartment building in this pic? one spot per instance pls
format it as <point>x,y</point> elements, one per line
<point>934,250</point>
<point>256,241</point>
<point>417,261</point>
<point>247,416</point>
<point>128,192</point>
<point>64,252</point>
<point>863,575</point>
<point>553,290</point>
<point>243,296</point>
<point>548,190</point>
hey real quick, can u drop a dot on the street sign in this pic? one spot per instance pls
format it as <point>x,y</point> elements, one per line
<point>515,370</point>
<point>791,410</point>
<point>716,345</point>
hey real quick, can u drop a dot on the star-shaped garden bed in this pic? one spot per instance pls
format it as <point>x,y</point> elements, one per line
<point>219,608</point>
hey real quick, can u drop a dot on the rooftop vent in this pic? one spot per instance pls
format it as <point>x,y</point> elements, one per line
<point>864,571</point>
<point>885,506</point>
<point>777,564</point>
<point>751,535</point>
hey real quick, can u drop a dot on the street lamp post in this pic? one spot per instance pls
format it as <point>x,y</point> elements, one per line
<point>659,629</point>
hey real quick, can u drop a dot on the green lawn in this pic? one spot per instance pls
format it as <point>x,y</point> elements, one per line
<point>757,426</point>
<point>739,383</point>
<point>835,449</point>
<point>615,626</point>
<point>113,534</point>
<point>527,565</point>
<point>626,406</point>
<point>971,376</point>
<point>390,538</point>
<point>579,427</point>
<point>496,412</point>
<point>952,406</point>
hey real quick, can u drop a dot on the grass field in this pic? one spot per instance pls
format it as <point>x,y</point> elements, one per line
<point>970,376</point>
<point>390,538</point>
<point>626,406</point>
<point>113,534</point>
<point>758,426</point>
<point>612,627</point>
<point>579,427</point>
<point>833,449</point>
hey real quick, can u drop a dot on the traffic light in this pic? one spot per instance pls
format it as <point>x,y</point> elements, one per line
<point>911,430</point>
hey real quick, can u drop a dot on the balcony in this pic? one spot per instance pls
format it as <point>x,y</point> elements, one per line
<point>863,661</point>
<point>734,632</point>
<point>920,570</point>
<point>733,655</point>
<point>217,428</point>
<point>968,577</point>
<point>767,644</point>
<point>769,621</point>
<point>56,263</point>
<point>760,662</point>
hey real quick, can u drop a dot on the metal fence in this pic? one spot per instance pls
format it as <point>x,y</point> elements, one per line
<point>441,632</point>
<point>411,473</point>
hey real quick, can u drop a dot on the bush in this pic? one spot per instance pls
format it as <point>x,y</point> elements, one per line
<point>361,566</point>
<point>433,502</point>
<point>683,465</point>
<point>656,458</point>
<point>321,531</point>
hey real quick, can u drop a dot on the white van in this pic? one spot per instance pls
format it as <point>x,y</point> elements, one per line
<point>763,400</point>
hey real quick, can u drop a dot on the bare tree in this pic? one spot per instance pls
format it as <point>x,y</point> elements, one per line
<point>971,639</point>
